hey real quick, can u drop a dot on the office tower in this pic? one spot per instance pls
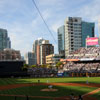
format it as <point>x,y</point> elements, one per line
<point>76,32</point>
<point>38,55</point>
<point>87,30</point>
<point>43,50</point>
<point>36,42</point>
<point>4,39</point>
<point>99,31</point>
<point>29,58</point>
<point>8,43</point>
<point>61,40</point>
<point>10,54</point>
<point>99,28</point>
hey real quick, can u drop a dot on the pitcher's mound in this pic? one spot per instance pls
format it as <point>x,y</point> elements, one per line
<point>49,89</point>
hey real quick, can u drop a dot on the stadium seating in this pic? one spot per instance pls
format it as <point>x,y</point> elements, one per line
<point>41,72</point>
<point>89,61</point>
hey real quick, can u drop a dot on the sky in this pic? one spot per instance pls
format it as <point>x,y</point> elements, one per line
<point>24,24</point>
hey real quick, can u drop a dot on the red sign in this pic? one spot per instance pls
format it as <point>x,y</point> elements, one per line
<point>92,41</point>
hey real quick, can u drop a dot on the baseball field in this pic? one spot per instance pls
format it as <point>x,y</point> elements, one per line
<point>39,88</point>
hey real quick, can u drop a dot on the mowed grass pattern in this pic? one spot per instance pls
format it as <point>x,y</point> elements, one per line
<point>36,91</point>
<point>5,81</point>
<point>21,98</point>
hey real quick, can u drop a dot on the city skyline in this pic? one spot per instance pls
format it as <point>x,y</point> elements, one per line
<point>24,24</point>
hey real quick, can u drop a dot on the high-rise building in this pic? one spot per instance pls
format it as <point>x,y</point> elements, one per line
<point>76,32</point>
<point>99,27</point>
<point>87,30</point>
<point>36,42</point>
<point>8,43</point>
<point>61,39</point>
<point>4,39</point>
<point>43,50</point>
<point>29,58</point>
<point>10,54</point>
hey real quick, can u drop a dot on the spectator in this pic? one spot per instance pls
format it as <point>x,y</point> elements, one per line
<point>72,96</point>
<point>80,97</point>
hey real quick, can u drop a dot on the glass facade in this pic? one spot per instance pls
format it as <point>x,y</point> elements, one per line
<point>29,58</point>
<point>76,32</point>
<point>35,44</point>
<point>87,30</point>
<point>61,39</point>
<point>4,39</point>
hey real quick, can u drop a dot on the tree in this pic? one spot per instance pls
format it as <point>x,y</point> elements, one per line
<point>25,67</point>
<point>33,66</point>
<point>43,66</point>
<point>59,63</point>
<point>49,66</point>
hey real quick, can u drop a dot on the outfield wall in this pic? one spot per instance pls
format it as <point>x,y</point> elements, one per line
<point>11,68</point>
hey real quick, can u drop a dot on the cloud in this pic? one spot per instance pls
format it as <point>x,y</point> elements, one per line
<point>25,25</point>
<point>90,11</point>
<point>56,25</point>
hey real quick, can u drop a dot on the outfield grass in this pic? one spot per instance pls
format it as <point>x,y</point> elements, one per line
<point>5,81</point>
<point>21,98</point>
<point>35,91</point>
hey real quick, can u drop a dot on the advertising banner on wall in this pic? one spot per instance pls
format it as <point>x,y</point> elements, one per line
<point>92,41</point>
<point>60,74</point>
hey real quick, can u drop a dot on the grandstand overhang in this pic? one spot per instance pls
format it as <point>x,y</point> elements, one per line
<point>81,60</point>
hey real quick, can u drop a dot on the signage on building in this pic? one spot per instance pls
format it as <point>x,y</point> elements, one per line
<point>92,41</point>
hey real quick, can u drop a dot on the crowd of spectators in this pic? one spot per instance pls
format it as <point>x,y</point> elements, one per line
<point>91,52</point>
<point>41,72</point>
<point>86,63</point>
<point>82,67</point>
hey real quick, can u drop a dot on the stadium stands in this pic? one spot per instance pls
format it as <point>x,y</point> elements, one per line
<point>83,60</point>
<point>41,72</point>
<point>91,52</point>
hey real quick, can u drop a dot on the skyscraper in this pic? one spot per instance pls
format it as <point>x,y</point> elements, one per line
<point>76,32</point>
<point>99,27</point>
<point>87,30</point>
<point>43,50</point>
<point>61,39</point>
<point>8,43</point>
<point>36,42</point>
<point>10,54</point>
<point>29,58</point>
<point>73,37</point>
<point>4,39</point>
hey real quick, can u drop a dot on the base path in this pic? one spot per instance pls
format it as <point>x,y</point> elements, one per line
<point>85,96</point>
<point>11,86</point>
